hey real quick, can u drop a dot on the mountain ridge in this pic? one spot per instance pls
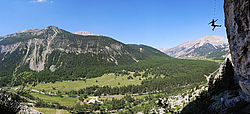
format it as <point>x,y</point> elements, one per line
<point>52,51</point>
<point>47,35</point>
<point>208,47</point>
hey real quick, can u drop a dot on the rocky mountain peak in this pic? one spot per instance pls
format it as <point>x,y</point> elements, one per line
<point>52,28</point>
<point>201,47</point>
<point>49,29</point>
<point>214,40</point>
<point>38,47</point>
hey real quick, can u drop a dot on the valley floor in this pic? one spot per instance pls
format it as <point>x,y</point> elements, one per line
<point>124,91</point>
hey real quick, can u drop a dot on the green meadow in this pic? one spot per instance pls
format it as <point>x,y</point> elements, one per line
<point>105,80</point>
<point>65,101</point>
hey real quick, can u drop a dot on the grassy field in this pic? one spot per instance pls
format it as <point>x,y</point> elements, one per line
<point>51,111</point>
<point>208,59</point>
<point>105,80</point>
<point>66,101</point>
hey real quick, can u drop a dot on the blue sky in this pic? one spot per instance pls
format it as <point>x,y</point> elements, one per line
<point>157,23</point>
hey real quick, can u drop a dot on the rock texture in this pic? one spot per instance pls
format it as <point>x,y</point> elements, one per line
<point>27,110</point>
<point>237,21</point>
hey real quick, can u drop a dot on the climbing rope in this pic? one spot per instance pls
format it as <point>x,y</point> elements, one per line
<point>214,19</point>
<point>214,9</point>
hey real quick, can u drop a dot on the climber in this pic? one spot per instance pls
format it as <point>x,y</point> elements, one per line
<point>213,24</point>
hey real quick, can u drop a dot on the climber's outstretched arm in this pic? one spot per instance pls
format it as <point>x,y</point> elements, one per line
<point>210,23</point>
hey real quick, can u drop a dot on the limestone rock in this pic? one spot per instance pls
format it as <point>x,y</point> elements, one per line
<point>28,110</point>
<point>237,21</point>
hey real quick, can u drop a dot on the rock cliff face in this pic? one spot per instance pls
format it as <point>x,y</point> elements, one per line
<point>237,25</point>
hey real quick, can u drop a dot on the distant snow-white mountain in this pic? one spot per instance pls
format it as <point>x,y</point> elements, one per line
<point>215,47</point>
<point>85,33</point>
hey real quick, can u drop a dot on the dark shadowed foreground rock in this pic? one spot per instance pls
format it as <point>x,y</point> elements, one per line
<point>237,26</point>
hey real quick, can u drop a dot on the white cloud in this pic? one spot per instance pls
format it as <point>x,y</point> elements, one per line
<point>41,1</point>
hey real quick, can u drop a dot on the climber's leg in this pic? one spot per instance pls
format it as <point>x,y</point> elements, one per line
<point>213,28</point>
